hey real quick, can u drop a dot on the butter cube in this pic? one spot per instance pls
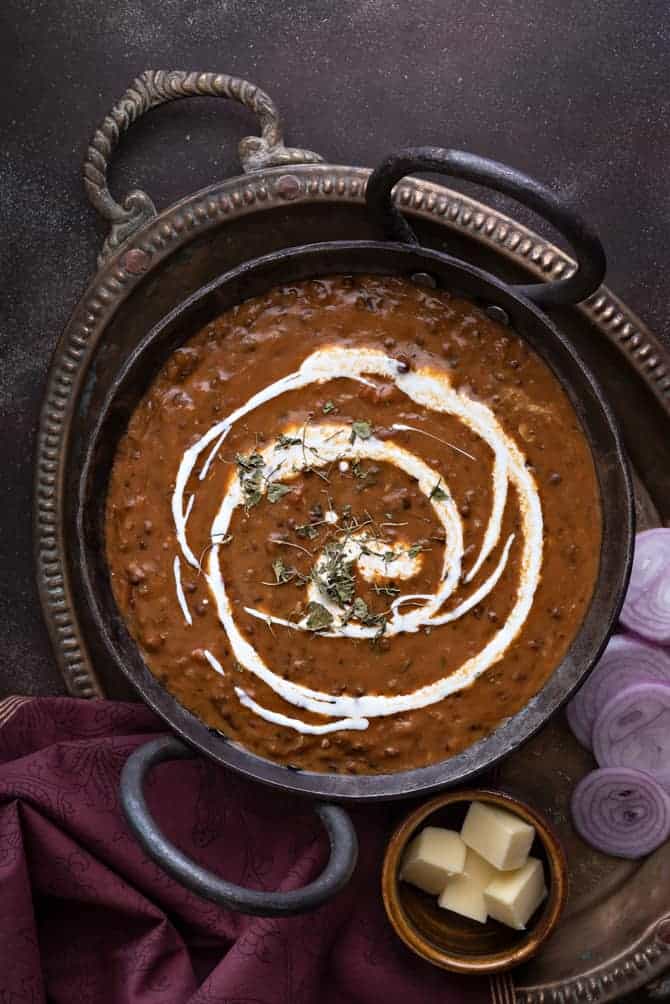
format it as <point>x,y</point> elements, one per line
<point>464,894</point>
<point>513,897</point>
<point>499,836</point>
<point>461,895</point>
<point>478,870</point>
<point>432,857</point>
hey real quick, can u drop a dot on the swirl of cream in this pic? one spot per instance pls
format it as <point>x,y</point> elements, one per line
<point>432,390</point>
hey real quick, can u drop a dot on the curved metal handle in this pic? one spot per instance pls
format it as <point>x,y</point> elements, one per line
<point>157,87</point>
<point>336,874</point>
<point>591,264</point>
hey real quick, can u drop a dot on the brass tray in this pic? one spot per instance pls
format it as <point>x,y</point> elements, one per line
<point>615,936</point>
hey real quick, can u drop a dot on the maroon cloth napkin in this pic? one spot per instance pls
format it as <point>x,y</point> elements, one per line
<point>85,916</point>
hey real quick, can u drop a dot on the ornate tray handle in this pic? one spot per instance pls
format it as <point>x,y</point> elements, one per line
<point>156,87</point>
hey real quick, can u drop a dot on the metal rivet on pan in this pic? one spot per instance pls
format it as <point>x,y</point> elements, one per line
<point>135,261</point>
<point>663,931</point>
<point>497,314</point>
<point>288,187</point>
<point>424,279</point>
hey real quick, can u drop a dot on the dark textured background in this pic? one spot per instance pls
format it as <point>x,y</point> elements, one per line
<point>575,93</point>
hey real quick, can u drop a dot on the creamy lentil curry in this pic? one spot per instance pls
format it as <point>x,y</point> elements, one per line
<point>353,524</point>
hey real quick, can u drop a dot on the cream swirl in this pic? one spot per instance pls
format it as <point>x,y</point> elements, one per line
<point>330,442</point>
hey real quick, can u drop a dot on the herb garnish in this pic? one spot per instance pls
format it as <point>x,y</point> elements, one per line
<point>318,618</point>
<point>250,473</point>
<point>438,493</point>
<point>360,608</point>
<point>307,531</point>
<point>415,549</point>
<point>286,573</point>
<point>361,429</point>
<point>284,442</point>
<point>379,621</point>
<point>250,463</point>
<point>282,573</point>
<point>367,475</point>
<point>276,490</point>
<point>362,612</point>
<point>328,407</point>
<point>335,576</point>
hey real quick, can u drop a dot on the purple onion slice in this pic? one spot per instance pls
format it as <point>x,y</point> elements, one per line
<point>633,730</point>
<point>621,811</point>
<point>646,609</point>
<point>624,662</point>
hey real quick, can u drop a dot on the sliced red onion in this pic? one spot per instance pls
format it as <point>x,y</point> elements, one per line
<point>633,730</point>
<point>624,662</point>
<point>646,609</point>
<point>621,811</point>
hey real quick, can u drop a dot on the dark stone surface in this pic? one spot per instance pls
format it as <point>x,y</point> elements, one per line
<point>575,93</point>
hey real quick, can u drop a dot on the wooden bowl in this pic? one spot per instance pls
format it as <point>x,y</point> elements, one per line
<point>447,939</point>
